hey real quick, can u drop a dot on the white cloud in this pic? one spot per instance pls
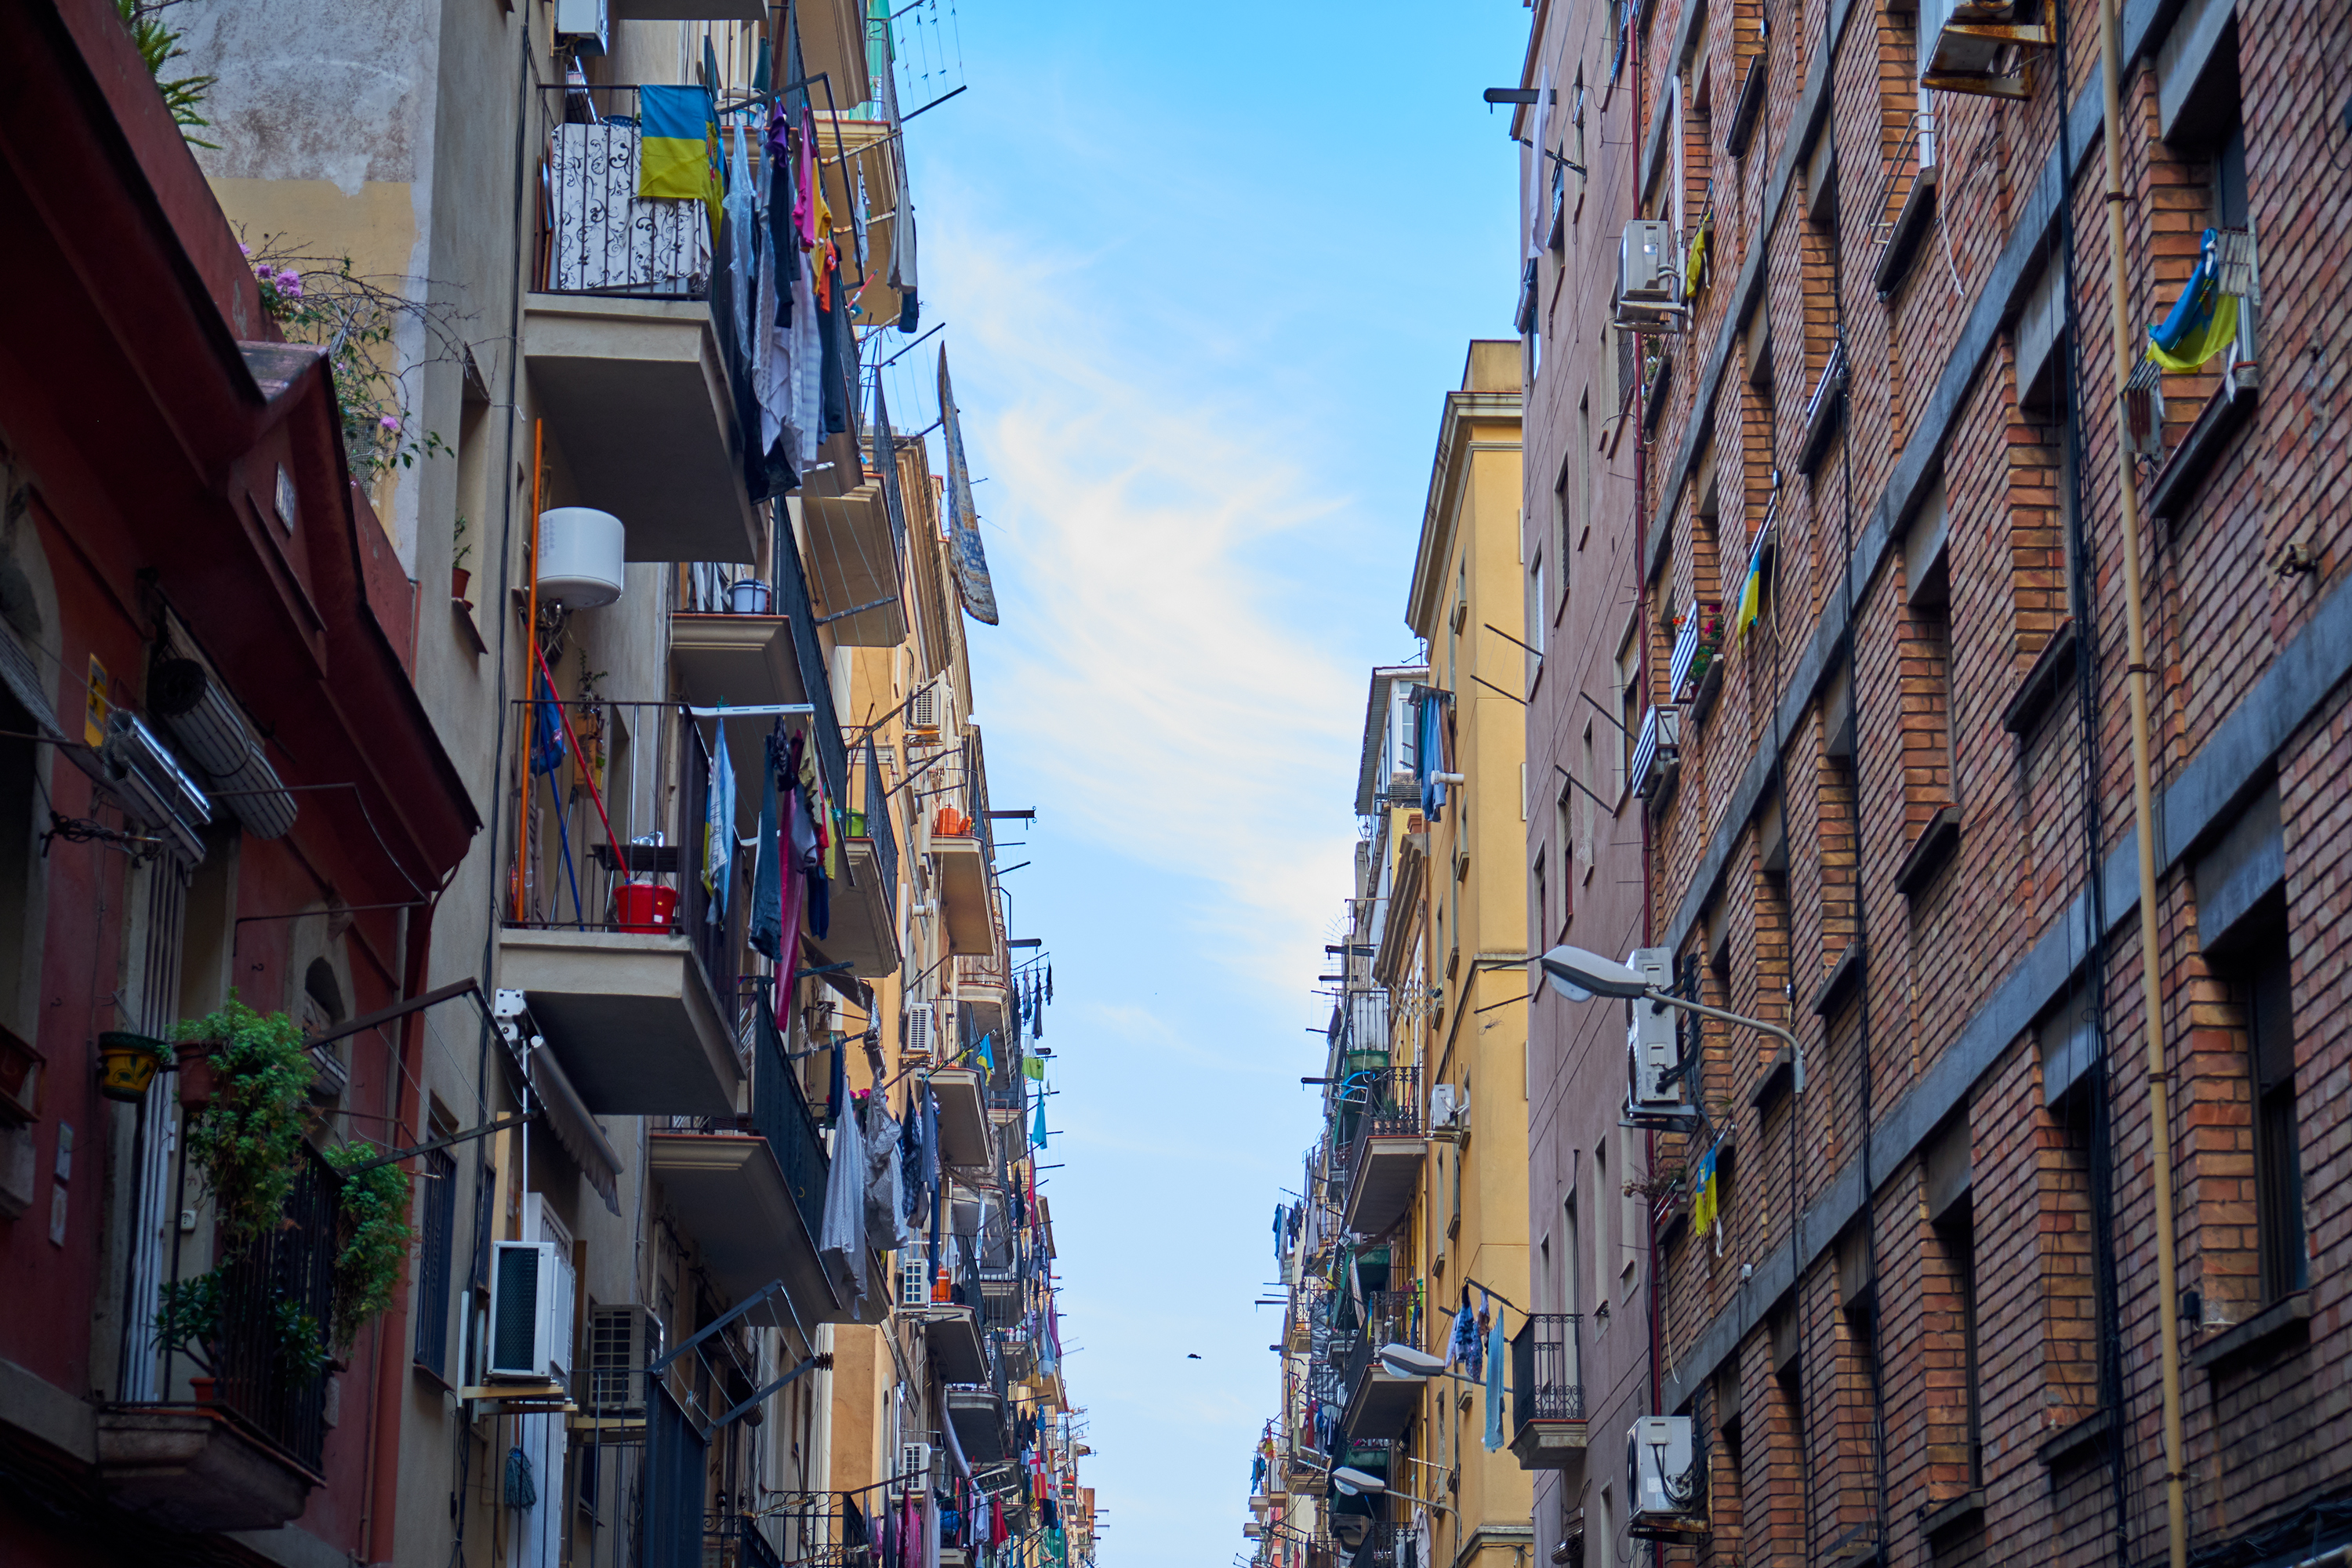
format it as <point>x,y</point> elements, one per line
<point>1154,661</point>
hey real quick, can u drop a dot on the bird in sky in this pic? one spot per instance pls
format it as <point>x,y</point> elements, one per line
<point>1192,1355</point>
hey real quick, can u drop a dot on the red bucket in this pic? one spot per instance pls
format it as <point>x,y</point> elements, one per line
<point>644,906</point>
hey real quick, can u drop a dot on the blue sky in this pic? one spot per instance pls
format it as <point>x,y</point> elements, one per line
<point>1206,273</point>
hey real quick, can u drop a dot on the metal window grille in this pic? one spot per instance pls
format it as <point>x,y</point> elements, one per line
<point>434,1259</point>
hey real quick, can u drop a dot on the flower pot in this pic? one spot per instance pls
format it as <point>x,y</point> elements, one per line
<point>203,1389</point>
<point>458,578</point>
<point>127,1064</point>
<point>199,1081</point>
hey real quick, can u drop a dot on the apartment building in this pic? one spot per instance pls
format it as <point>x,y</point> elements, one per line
<point>1974,625</point>
<point>1413,1233</point>
<point>1588,447</point>
<point>503,748</point>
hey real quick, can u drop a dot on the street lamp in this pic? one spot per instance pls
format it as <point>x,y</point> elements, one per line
<point>1352,1481</point>
<point>1580,976</point>
<point>1407,1361</point>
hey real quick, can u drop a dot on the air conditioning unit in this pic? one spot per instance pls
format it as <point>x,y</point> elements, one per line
<point>141,773</point>
<point>914,1473</point>
<point>1662,1477</point>
<point>929,707</point>
<point>622,1342</point>
<point>585,25</point>
<point>1651,1039</point>
<point>1650,279</point>
<point>1449,1106</point>
<point>914,1277</point>
<point>530,1310</point>
<point>918,1040</point>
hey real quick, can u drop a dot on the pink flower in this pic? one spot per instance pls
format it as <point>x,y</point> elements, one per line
<point>289,283</point>
<point>245,247</point>
<point>389,423</point>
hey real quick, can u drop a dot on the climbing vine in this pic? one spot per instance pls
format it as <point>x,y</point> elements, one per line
<point>159,45</point>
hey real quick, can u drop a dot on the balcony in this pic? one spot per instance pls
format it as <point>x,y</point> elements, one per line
<point>964,1139</point>
<point>870,146</point>
<point>1379,1126</point>
<point>750,1190</point>
<point>618,339</point>
<point>1546,1392</point>
<point>965,908</point>
<point>625,973</point>
<point>1657,752</point>
<point>979,1418</point>
<point>744,661</point>
<point>865,932</point>
<point>855,544</point>
<point>958,1353</point>
<point>245,1454</point>
<point>1378,1402</point>
<point>1699,638</point>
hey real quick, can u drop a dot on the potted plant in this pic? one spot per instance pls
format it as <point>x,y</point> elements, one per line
<point>244,1140</point>
<point>128,1063</point>
<point>458,575</point>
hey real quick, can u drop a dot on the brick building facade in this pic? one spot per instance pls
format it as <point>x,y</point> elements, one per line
<point>1897,817</point>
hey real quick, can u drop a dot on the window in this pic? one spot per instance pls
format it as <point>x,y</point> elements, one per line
<point>1628,700</point>
<point>2278,1161</point>
<point>1583,481</point>
<point>1600,1269</point>
<point>1534,618</point>
<point>1564,846</point>
<point>1543,899</point>
<point>1926,660</point>
<point>1633,1228</point>
<point>1563,517</point>
<point>436,1242</point>
<point>1956,1231</point>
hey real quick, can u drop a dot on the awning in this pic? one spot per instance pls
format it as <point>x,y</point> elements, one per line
<point>569,1120</point>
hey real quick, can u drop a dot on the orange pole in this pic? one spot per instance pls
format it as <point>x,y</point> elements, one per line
<point>531,631</point>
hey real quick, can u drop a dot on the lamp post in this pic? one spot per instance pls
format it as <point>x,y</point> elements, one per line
<point>1580,976</point>
<point>1352,1482</point>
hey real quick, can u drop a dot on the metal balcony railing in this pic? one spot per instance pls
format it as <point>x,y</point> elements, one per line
<point>1914,155</point>
<point>1657,750</point>
<point>1697,636</point>
<point>294,1266</point>
<point>1390,1319</point>
<point>876,820</point>
<point>596,235</point>
<point>1382,1102</point>
<point>602,841</point>
<point>1546,1370</point>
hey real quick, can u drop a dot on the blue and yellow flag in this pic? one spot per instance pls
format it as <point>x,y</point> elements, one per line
<point>2203,322</point>
<point>1751,597</point>
<point>1703,1196</point>
<point>678,155</point>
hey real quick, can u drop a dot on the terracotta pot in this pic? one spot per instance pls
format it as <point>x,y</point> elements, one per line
<point>203,1389</point>
<point>198,1079</point>
<point>458,578</point>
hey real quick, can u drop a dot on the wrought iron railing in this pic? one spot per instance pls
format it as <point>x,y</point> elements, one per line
<point>780,1114</point>
<point>1697,636</point>
<point>596,234</point>
<point>1378,1103</point>
<point>291,1266</point>
<point>1546,1376</point>
<point>603,847</point>
<point>1914,155</point>
<point>739,1540</point>
<point>1390,1318</point>
<point>876,823</point>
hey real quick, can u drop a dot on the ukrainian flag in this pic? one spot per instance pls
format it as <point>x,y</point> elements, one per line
<point>677,157</point>
<point>1751,595</point>
<point>2203,322</point>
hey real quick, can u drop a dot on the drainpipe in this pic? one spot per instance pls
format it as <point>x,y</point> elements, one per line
<point>2159,1118</point>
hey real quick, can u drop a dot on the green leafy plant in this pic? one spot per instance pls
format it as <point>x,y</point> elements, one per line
<point>159,46</point>
<point>375,1237</point>
<point>247,1140</point>
<point>459,538</point>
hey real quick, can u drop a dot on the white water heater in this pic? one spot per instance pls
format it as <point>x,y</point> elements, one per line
<point>579,555</point>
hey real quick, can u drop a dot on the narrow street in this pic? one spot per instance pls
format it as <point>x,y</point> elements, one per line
<point>867,784</point>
